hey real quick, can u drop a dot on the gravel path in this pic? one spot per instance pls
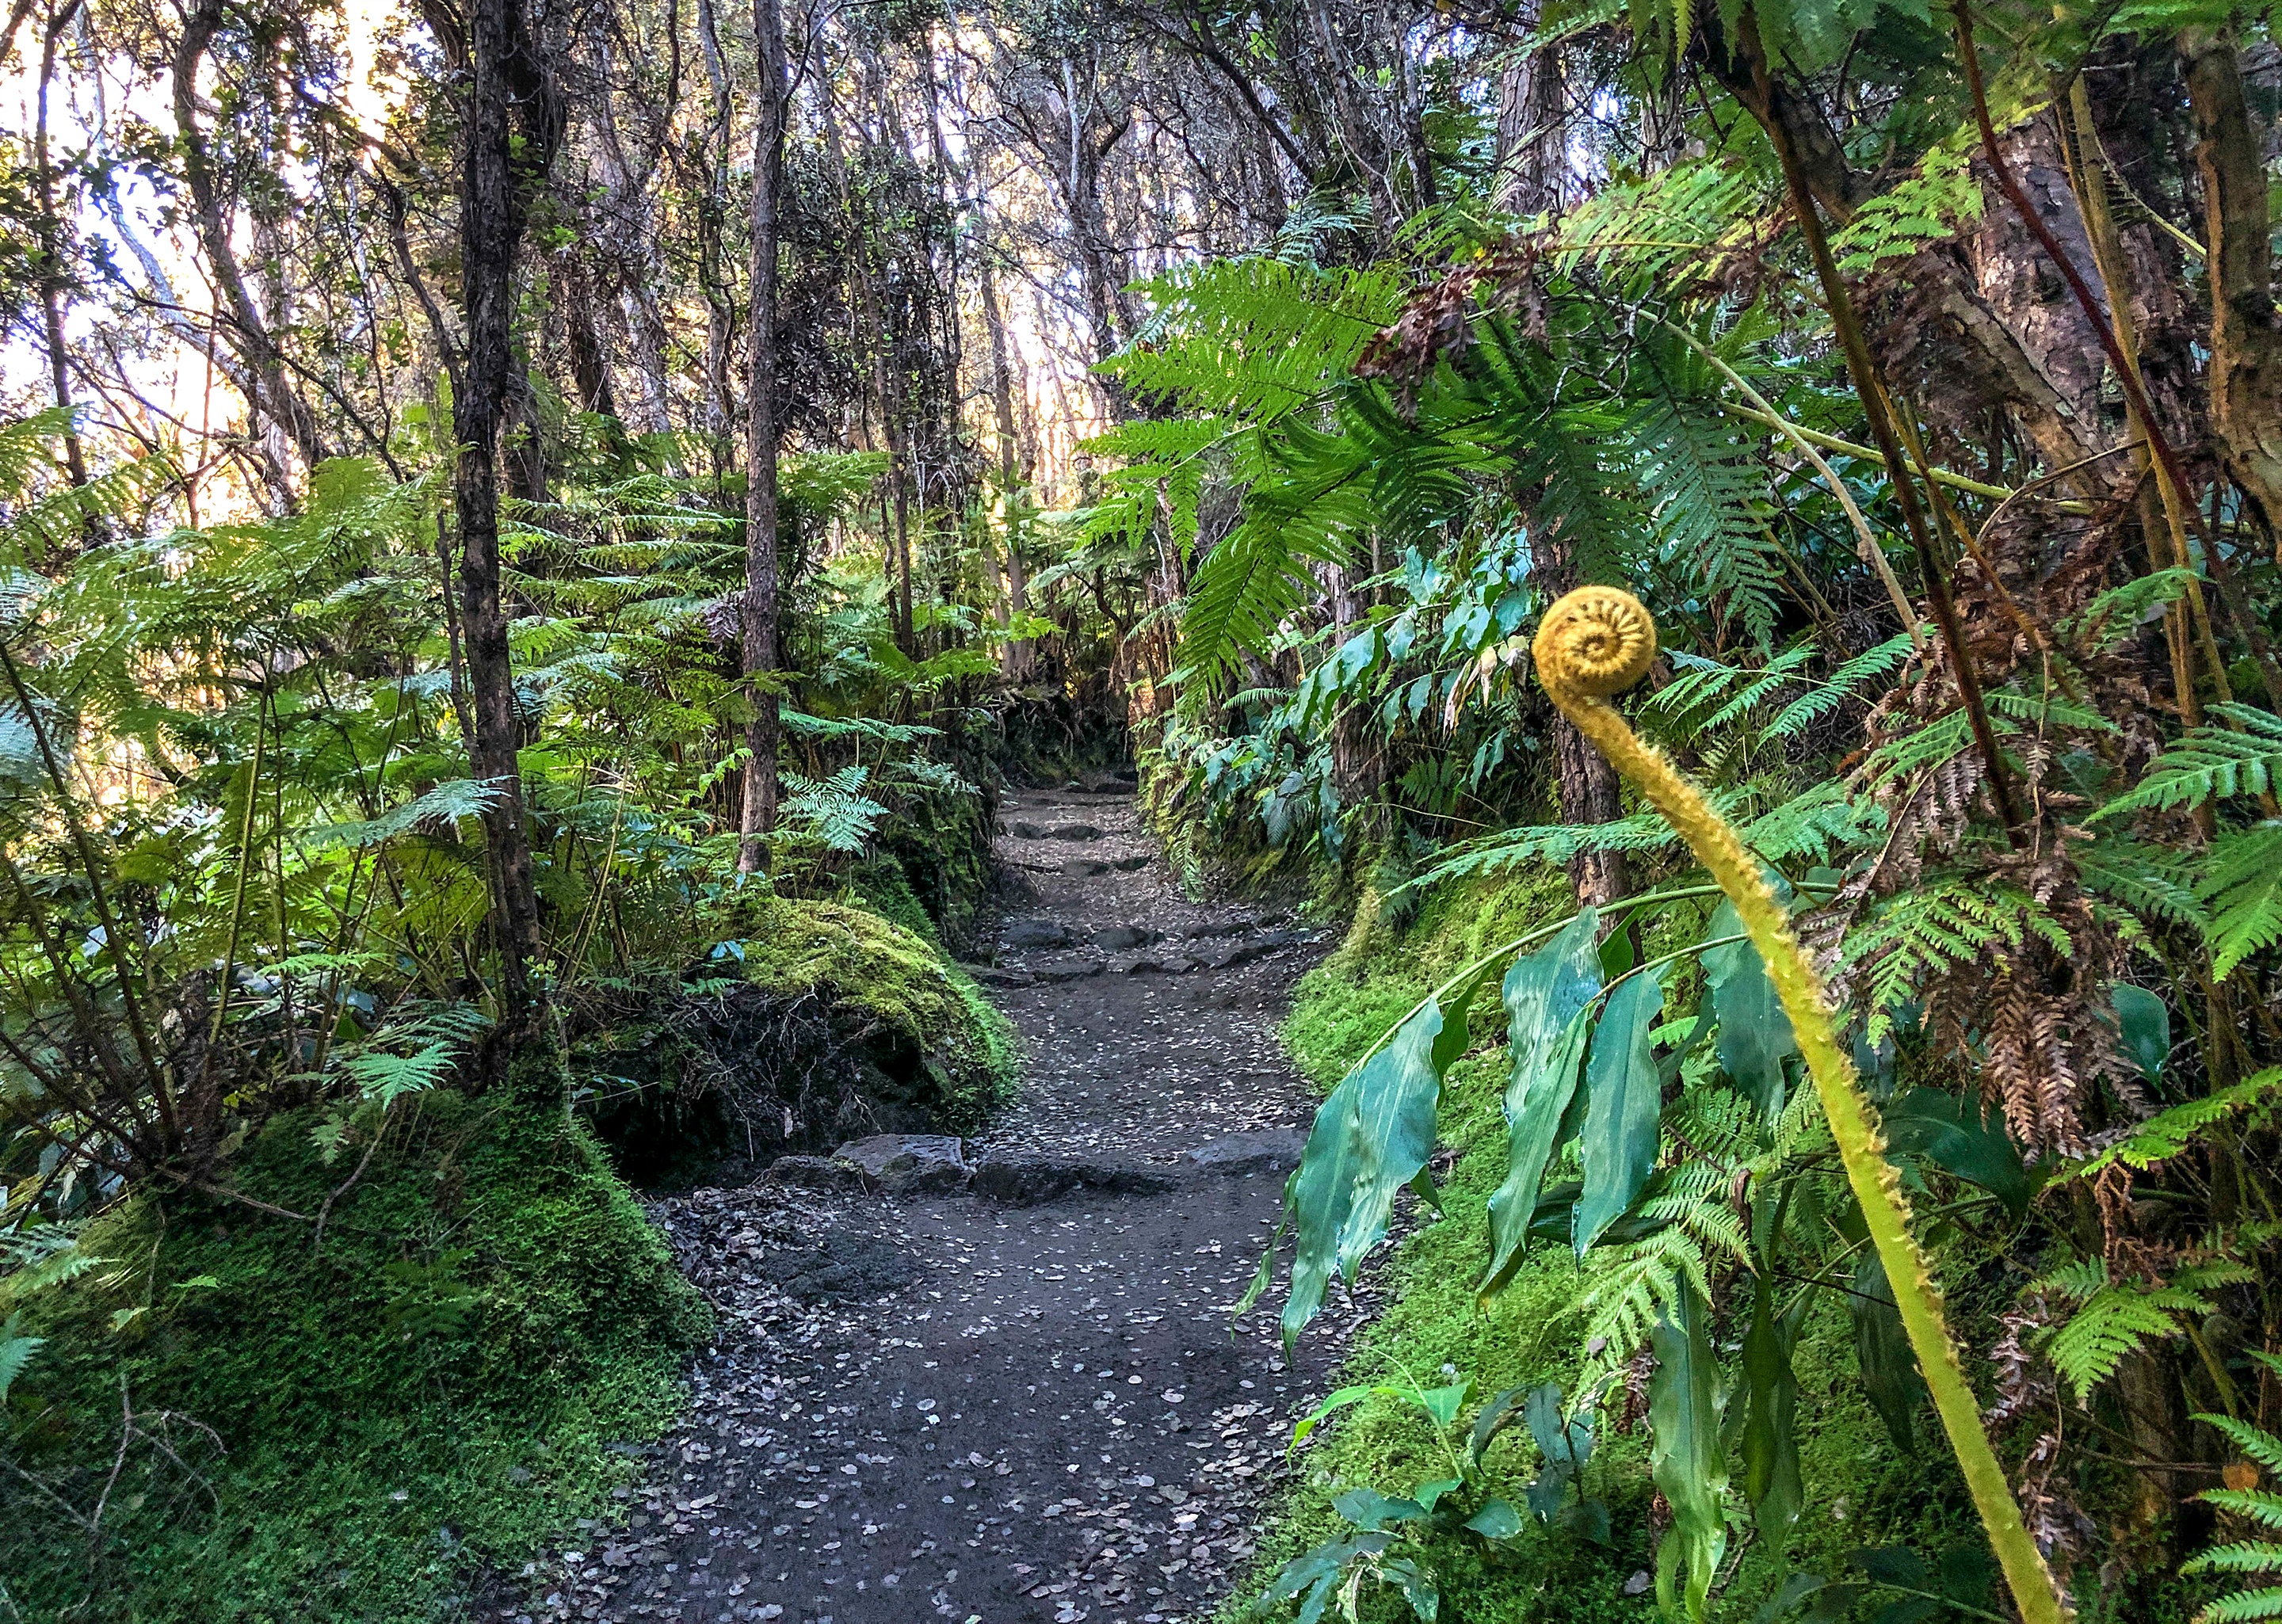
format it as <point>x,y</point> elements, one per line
<point>950,1406</point>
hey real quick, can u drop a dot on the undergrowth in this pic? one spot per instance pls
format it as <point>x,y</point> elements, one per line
<point>350,1430</point>
<point>1861,1491</point>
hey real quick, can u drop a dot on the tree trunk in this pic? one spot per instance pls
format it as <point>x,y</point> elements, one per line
<point>53,282</point>
<point>1013,480</point>
<point>762,434</point>
<point>274,396</point>
<point>2245,364</point>
<point>1530,151</point>
<point>513,123</point>
<point>873,336</point>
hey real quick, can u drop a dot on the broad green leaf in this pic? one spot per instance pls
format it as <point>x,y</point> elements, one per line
<point>1429,1494</point>
<point>1625,1104</point>
<point>1371,1137</point>
<point>1337,1401</point>
<point>1549,1488</point>
<point>1755,1035</point>
<point>1558,1437</point>
<point>2143,1021</point>
<point>1950,1131</point>
<point>1684,1407</point>
<point>1371,1511</point>
<point>1494,1417</point>
<point>1443,1404</point>
<point>1548,996</point>
<point>1497,1519</point>
<point>1890,1370</point>
<point>1771,1474</point>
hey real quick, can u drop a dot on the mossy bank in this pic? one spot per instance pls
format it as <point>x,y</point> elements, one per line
<point>346,1427</point>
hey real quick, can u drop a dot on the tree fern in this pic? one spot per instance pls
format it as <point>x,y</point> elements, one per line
<point>2153,882</point>
<point>2170,1132</point>
<point>834,810</point>
<point>2261,1506</point>
<point>2116,1319</point>
<point>2242,887</point>
<point>1921,934</point>
<point>2207,763</point>
<point>1258,337</point>
<point>1707,498</point>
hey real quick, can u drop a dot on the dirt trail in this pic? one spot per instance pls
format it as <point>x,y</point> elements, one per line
<point>953,1406</point>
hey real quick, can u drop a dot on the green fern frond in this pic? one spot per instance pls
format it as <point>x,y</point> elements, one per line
<point>2114,1322</point>
<point>2208,763</point>
<point>2242,887</point>
<point>834,810</point>
<point>2245,1557</point>
<point>2153,882</point>
<point>1707,498</point>
<point>2250,1604</point>
<point>2261,1506</point>
<point>1914,936</point>
<point>2260,1446</point>
<point>2163,1136</point>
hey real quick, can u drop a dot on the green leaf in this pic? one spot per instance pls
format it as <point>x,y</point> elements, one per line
<point>1890,1370</point>
<point>1755,1035</point>
<point>1625,1107</point>
<point>1370,1511</point>
<point>1547,999</point>
<point>1497,1519</point>
<point>1771,1472</point>
<point>1558,1436</point>
<point>1951,1132</point>
<point>1684,1409</point>
<point>2143,1021</point>
<point>16,1352</point>
<point>1417,1585</point>
<point>1337,1401</point>
<point>1370,1138</point>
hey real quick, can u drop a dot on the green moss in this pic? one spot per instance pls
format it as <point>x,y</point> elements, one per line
<point>853,957</point>
<point>452,1379</point>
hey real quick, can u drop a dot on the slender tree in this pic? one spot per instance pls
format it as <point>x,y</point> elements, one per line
<point>763,433</point>
<point>513,124</point>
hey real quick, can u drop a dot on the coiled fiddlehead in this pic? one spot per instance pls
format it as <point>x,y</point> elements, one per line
<point>1597,641</point>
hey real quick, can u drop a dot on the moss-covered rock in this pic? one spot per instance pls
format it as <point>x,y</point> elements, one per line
<point>347,1430</point>
<point>915,1004</point>
<point>814,1022</point>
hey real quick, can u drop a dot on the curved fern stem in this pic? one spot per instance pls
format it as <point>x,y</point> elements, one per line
<point>1598,641</point>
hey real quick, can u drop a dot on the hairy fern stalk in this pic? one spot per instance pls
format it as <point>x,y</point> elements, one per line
<point>1598,641</point>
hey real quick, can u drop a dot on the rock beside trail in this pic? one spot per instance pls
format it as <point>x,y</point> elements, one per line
<point>1119,937</point>
<point>1028,935</point>
<point>1073,832</point>
<point>818,1173</point>
<point>1275,1150</point>
<point>1064,967</point>
<point>1027,1180</point>
<point>910,1163</point>
<point>1084,868</point>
